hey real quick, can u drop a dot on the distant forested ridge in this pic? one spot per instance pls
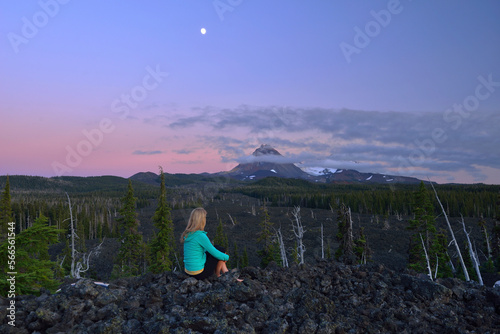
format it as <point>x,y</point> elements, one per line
<point>475,200</point>
<point>109,185</point>
<point>96,199</point>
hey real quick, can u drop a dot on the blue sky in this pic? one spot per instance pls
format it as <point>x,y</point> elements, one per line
<point>118,87</point>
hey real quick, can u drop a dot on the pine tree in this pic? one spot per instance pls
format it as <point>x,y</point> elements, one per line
<point>328,253</point>
<point>270,250</point>
<point>132,249</point>
<point>220,238</point>
<point>162,248</point>
<point>5,210</point>
<point>441,259</point>
<point>234,259</point>
<point>265,235</point>
<point>32,262</point>
<point>361,249</point>
<point>423,224</point>
<point>295,254</point>
<point>345,252</point>
<point>244,258</point>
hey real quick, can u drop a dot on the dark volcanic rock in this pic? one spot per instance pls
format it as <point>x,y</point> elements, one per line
<point>324,298</point>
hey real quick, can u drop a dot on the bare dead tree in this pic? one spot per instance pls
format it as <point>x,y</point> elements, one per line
<point>78,267</point>
<point>482,224</point>
<point>426,258</point>
<point>453,269</point>
<point>62,261</point>
<point>298,230</point>
<point>473,255</point>
<point>399,216</point>
<point>454,240</point>
<point>178,262</point>
<point>231,218</point>
<point>279,237</point>
<point>84,265</point>
<point>386,224</point>
<point>437,266</point>
<point>346,235</point>
<point>322,243</point>
<point>73,234</point>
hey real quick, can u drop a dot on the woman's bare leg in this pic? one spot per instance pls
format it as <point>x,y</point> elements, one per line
<point>220,268</point>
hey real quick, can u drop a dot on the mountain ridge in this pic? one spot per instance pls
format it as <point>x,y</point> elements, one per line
<point>265,162</point>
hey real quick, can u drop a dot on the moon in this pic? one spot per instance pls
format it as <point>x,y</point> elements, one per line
<point>203,31</point>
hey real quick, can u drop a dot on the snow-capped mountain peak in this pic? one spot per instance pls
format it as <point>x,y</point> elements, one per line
<point>265,149</point>
<point>268,162</point>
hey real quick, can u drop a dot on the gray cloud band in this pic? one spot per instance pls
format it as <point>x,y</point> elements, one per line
<point>454,117</point>
<point>385,142</point>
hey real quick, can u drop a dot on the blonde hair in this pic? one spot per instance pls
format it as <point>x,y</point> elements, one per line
<point>197,222</point>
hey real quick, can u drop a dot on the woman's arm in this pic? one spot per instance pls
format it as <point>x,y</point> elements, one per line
<point>205,243</point>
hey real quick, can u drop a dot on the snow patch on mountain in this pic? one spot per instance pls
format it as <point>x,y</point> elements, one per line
<point>318,171</point>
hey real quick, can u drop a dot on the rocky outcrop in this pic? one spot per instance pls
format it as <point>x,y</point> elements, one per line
<point>324,298</point>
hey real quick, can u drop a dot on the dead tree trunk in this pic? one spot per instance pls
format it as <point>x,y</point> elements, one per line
<point>298,230</point>
<point>454,240</point>
<point>84,265</point>
<point>73,233</point>
<point>322,243</point>
<point>473,255</point>
<point>284,260</point>
<point>482,224</point>
<point>426,258</point>
<point>231,218</point>
<point>345,236</point>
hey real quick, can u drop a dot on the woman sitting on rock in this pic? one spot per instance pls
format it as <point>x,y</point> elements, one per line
<point>201,258</point>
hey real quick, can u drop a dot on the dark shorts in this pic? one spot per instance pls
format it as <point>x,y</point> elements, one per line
<point>210,265</point>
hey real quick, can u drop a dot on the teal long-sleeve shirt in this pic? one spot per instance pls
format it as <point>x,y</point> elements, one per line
<point>195,246</point>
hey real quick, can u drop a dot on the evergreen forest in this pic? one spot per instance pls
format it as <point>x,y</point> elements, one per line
<point>109,227</point>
